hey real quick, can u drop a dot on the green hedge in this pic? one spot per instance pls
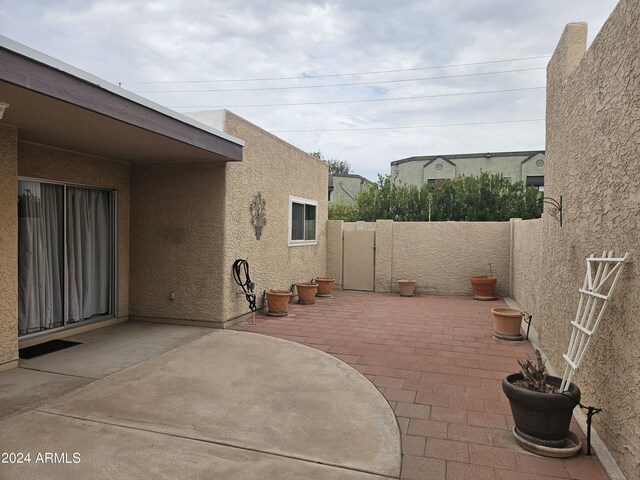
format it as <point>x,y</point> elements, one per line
<point>483,198</point>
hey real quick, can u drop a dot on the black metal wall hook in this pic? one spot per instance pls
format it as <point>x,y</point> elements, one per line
<point>556,207</point>
<point>591,411</point>
<point>527,317</point>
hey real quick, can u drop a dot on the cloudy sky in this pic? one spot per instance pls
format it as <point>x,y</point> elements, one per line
<point>367,81</point>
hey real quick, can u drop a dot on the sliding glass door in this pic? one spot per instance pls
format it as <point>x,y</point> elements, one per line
<point>40,256</point>
<point>66,262</point>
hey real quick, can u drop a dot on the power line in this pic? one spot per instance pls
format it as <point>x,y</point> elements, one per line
<point>304,77</point>
<point>408,126</point>
<point>340,84</point>
<point>359,101</point>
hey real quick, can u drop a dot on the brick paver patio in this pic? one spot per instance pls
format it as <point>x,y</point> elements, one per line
<point>437,363</point>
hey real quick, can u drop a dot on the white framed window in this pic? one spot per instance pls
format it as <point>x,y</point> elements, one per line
<point>303,214</point>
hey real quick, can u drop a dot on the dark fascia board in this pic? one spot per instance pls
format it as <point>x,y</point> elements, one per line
<point>35,71</point>
<point>457,156</point>
<point>439,158</point>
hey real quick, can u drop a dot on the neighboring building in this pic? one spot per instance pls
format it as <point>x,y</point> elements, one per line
<point>115,208</point>
<point>345,187</point>
<point>526,166</point>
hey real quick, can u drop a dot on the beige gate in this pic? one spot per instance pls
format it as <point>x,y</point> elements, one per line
<point>358,262</point>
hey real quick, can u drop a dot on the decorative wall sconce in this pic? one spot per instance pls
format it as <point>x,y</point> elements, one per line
<point>258,214</point>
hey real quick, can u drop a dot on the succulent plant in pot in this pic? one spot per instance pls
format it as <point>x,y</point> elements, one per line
<point>542,414</point>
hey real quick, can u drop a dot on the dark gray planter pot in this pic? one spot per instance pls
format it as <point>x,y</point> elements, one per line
<point>541,418</point>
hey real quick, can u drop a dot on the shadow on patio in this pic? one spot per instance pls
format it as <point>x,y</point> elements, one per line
<point>439,367</point>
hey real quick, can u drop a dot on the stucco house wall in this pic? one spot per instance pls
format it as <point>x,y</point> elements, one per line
<point>437,169</point>
<point>8,247</point>
<point>276,170</point>
<point>405,172</point>
<point>532,167</point>
<point>514,165</point>
<point>177,243</point>
<point>593,160</point>
<point>347,187</point>
<point>168,173</point>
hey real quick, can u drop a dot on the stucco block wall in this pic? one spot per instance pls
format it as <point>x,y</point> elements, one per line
<point>177,242</point>
<point>334,251</point>
<point>48,163</point>
<point>526,276</point>
<point>8,247</point>
<point>349,226</point>
<point>439,256</point>
<point>593,160</point>
<point>442,256</point>
<point>275,169</point>
<point>384,256</point>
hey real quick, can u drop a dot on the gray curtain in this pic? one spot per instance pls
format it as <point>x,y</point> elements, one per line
<point>40,256</point>
<point>88,253</point>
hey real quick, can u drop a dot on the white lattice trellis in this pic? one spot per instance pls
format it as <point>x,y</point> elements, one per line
<point>599,283</point>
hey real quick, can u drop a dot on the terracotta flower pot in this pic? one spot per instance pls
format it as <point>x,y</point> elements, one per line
<point>277,301</point>
<point>307,293</point>
<point>407,287</point>
<point>325,285</point>
<point>484,288</point>
<point>507,323</point>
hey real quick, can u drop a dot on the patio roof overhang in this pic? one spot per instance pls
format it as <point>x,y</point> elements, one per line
<point>55,104</point>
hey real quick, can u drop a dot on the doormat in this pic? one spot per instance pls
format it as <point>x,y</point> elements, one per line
<point>46,347</point>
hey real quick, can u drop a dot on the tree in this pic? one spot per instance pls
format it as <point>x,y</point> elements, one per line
<point>339,167</point>
<point>343,211</point>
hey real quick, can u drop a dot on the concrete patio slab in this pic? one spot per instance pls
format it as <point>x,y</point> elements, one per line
<point>109,350</point>
<point>234,403</point>
<point>110,451</point>
<point>25,389</point>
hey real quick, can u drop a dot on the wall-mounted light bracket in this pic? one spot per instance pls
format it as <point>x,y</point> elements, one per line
<point>556,207</point>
